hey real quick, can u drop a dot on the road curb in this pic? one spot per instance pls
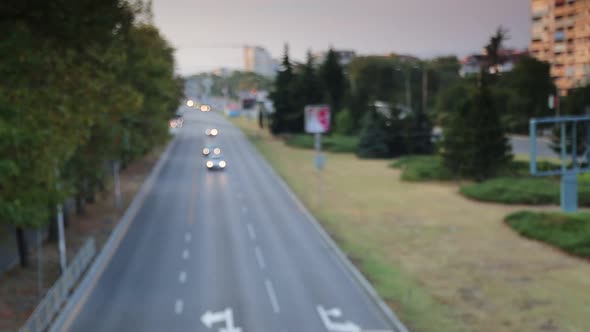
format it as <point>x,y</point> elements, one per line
<point>367,287</point>
<point>77,299</point>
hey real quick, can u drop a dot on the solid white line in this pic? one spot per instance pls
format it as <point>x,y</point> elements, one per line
<point>182,277</point>
<point>178,307</point>
<point>251,231</point>
<point>188,237</point>
<point>273,297</point>
<point>260,258</point>
<point>185,254</point>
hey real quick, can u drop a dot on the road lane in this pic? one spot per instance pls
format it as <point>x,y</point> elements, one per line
<point>208,246</point>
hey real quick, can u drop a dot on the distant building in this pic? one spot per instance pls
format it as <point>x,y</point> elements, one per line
<point>472,64</point>
<point>258,60</point>
<point>344,57</point>
<point>560,35</point>
<point>222,72</point>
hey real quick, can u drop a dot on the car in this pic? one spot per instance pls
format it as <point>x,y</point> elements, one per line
<point>215,162</point>
<point>177,121</point>
<point>212,132</point>
<point>211,149</point>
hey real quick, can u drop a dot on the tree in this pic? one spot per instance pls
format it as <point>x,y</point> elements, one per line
<point>474,143</point>
<point>577,103</point>
<point>66,90</point>
<point>307,91</point>
<point>333,80</point>
<point>527,88</point>
<point>373,137</point>
<point>283,96</point>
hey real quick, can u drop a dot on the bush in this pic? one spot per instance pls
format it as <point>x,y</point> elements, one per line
<point>344,122</point>
<point>336,143</point>
<point>510,190</point>
<point>570,232</point>
<point>422,168</point>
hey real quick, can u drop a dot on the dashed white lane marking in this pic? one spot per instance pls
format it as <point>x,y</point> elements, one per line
<point>178,307</point>
<point>185,254</point>
<point>273,297</point>
<point>260,258</point>
<point>251,231</point>
<point>188,237</point>
<point>182,277</point>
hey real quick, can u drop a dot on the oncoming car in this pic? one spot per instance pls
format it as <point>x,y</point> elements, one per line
<point>211,150</point>
<point>212,132</point>
<point>215,162</point>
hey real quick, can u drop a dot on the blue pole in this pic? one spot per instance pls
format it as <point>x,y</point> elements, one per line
<point>533,144</point>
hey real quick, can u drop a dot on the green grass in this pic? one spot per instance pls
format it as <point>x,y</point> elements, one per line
<point>422,168</point>
<point>335,143</point>
<point>569,232</point>
<point>523,190</point>
<point>437,259</point>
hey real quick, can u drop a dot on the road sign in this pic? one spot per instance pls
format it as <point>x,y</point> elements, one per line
<point>317,119</point>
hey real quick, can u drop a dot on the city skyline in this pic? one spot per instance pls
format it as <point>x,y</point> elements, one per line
<point>208,34</point>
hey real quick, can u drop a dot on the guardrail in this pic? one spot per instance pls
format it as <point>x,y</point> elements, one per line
<point>57,295</point>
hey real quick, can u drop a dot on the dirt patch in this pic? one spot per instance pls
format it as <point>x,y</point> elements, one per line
<point>19,287</point>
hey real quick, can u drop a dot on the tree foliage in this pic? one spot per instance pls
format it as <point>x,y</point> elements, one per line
<point>283,97</point>
<point>475,143</point>
<point>77,76</point>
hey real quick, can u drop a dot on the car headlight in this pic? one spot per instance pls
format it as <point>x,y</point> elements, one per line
<point>209,164</point>
<point>214,132</point>
<point>205,151</point>
<point>222,164</point>
<point>208,131</point>
<point>216,151</point>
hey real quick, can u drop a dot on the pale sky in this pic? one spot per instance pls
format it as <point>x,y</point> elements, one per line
<point>209,33</point>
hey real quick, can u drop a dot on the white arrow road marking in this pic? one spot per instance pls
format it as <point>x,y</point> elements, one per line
<point>251,231</point>
<point>185,254</point>
<point>178,307</point>
<point>187,237</point>
<point>273,297</point>
<point>260,258</point>
<point>210,318</point>
<point>331,326</point>
<point>182,277</point>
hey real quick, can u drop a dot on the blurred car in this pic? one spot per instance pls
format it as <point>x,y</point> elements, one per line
<point>215,162</point>
<point>212,132</point>
<point>211,150</point>
<point>177,121</point>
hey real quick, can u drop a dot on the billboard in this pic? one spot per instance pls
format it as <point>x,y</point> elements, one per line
<point>317,119</point>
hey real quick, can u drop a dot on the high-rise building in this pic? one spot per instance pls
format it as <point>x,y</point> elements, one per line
<point>258,60</point>
<point>560,35</point>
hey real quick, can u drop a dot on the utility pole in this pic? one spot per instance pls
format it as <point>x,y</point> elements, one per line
<point>60,229</point>
<point>408,88</point>
<point>116,179</point>
<point>424,89</point>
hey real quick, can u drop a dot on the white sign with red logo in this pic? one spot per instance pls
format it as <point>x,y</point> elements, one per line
<point>317,119</point>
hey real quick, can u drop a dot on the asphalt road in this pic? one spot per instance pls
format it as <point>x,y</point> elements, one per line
<point>522,145</point>
<point>224,251</point>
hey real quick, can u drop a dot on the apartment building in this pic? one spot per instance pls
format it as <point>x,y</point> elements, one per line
<point>560,35</point>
